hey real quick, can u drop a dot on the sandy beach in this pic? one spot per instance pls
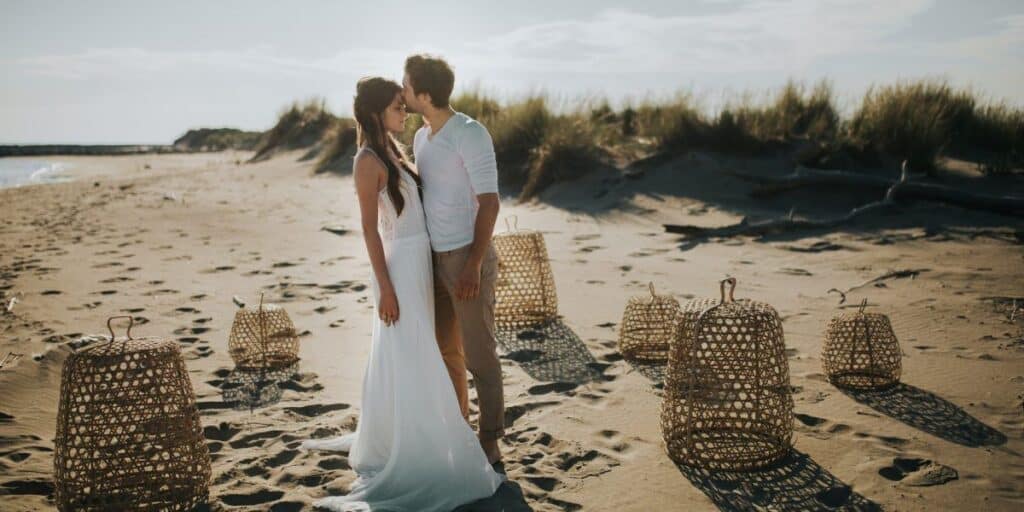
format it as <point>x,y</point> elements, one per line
<point>171,239</point>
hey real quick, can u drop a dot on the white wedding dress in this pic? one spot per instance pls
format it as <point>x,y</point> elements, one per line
<point>412,450</point>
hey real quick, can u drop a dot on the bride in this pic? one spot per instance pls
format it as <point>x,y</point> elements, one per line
<point>412,449</point>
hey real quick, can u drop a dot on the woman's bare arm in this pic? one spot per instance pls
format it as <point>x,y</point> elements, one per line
<point>370,176</point>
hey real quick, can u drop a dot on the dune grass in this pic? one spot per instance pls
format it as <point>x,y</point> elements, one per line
<point>299,125</point>
<point>337,141</point>
<point>537,145</point>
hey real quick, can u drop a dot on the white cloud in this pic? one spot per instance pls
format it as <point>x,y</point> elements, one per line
<point>779,36</point>
<point>763,34</point>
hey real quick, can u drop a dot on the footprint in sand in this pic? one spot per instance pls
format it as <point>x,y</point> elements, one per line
<point>334,463</point>
<point>534,453</point>
<point>222,268</point>
<point>313,410</point>
<point>118,279</point>
<point>794,272</point>
<point>190,330</point>
<point>253,498</point>
<point>38,487</point>
<point>613,440</point>
<point>918,472</point>
<point>553,387</point>
<point>163,291</point>
<point>197,352</point>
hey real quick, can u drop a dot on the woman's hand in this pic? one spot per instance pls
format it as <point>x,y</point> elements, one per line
<point>388,307</point>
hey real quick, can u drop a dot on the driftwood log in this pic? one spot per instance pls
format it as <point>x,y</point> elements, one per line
<point>902,189</point>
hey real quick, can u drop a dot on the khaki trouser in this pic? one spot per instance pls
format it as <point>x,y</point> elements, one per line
<point>465,334</point>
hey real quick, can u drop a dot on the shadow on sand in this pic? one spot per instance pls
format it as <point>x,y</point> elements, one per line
<point>550,352</point>
<point>929,413</point>
<point>256,388</point>
<point>794,483</point>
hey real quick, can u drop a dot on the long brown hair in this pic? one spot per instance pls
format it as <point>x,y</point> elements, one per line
<point>373,96</point>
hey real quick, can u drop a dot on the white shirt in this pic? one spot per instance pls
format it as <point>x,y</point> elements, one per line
<point>455,164</point>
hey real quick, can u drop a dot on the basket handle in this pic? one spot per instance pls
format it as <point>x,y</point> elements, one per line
<point>514,226</point>
<point>650,284</point>
<point>863,304</point>
<point>131,322</point>
<point>842,296</point>
<point>732,288</point>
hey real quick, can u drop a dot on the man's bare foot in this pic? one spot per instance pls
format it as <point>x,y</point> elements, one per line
<point>491,450</point>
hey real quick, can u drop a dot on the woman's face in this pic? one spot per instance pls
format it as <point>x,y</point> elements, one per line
<point>394,116</point>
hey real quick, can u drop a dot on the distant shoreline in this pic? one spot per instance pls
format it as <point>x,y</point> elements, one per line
<point>86,149</point>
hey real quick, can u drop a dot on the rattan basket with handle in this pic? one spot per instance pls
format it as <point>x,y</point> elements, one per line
<point>263,337</point>
<point>861,351</point>
<point>648,324</point>
<point>525,288</point>
<point>128,430</point>
<point>728,403</point>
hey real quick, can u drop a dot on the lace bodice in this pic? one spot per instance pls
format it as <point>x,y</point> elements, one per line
<point>411,222</point>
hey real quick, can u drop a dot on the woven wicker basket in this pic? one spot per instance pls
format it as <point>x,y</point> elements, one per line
<point>861,351</point>
<point>263,337</point>
<point>525,288</point>
<point>728,403</point>
<point>128,431</point>
<point>648,324</point>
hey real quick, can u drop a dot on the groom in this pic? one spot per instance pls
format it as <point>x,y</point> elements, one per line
<point>455,158</point>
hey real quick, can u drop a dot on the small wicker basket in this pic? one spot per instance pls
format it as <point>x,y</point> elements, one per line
<point>263,337</point>
<point>861,351</point>
<point>648,324</point>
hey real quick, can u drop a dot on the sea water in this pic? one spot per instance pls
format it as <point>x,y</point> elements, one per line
<point>15,172</point>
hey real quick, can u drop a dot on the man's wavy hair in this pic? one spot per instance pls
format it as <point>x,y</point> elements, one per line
<point>431,75</point>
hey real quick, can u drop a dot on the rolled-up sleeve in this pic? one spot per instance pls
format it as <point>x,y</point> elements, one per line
<point>477,151</point>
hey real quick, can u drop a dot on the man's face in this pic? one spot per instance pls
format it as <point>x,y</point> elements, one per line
<point>410,97</point>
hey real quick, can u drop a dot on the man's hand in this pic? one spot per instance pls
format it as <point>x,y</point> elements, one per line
<point>467,287</point>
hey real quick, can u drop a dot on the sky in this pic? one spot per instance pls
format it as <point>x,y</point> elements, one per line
<point>144,72</point>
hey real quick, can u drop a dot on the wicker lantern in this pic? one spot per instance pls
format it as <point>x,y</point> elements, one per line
<point>128,431</point>
<point>263,337</point>
<point>525,288</point>
<point>861,351</point>
<point>728,404</point>
<point>647,326</point>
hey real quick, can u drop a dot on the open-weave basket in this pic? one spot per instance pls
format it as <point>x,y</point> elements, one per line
<point>648,325</point>
<point>861,351</point>
<point>525,288</point>
<point>128,431</point>
<point>263,337</point>
<point>728,403</point>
